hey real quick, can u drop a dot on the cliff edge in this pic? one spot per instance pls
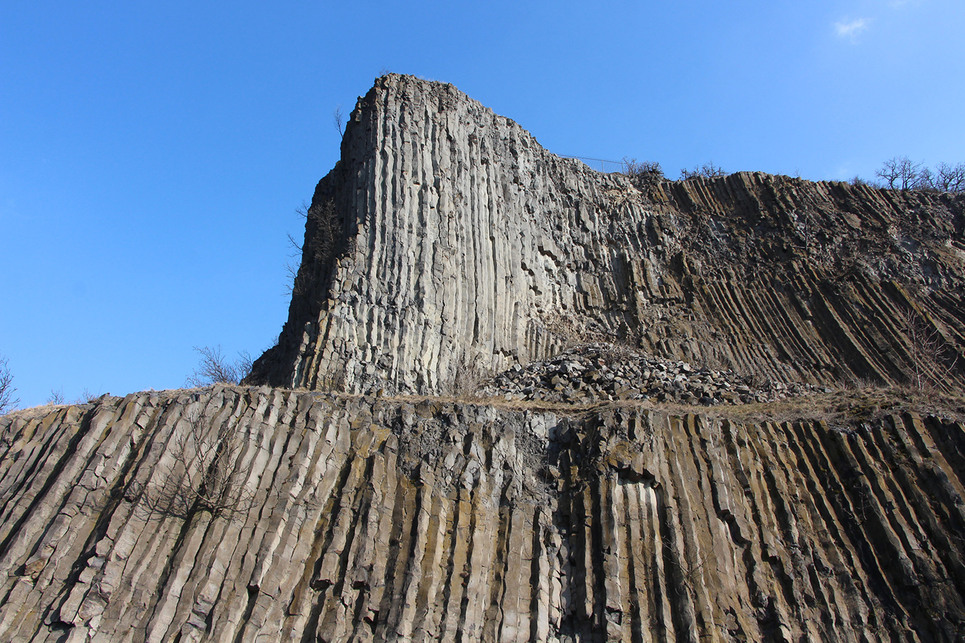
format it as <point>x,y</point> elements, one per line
<point>655,450</point>
<point>447,239</point>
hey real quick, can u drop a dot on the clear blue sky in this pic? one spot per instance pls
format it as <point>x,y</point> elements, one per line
<point>152,155</point>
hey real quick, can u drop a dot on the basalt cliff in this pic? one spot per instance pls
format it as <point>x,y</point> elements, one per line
<point>516,399</point>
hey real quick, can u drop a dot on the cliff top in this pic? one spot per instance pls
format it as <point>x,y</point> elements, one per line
<point>447,241</point>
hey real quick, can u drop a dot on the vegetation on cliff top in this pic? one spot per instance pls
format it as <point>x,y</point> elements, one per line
<point>897,173</point>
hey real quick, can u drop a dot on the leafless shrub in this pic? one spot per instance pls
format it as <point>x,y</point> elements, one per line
<point>215,368</point>
<point>326,230</point>
<point>86,397</point>
<point>7,400</point>
<point>295,255</point>
<point>56,397</point>
<point>689,573</point>
<point>243,365</point>
<point>323,236</point>
<point>643,174</point>
<point>469,377</point>
<point>571,332</point>
<point>615,354</point>
<point>931,359</point>
<point>296,247</point>
<point>205,474</point>
<point>707,171</point>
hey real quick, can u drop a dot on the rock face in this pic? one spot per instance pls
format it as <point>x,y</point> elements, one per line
<point>647,456</point>
<point>447,240</point>
<point>368,519</point>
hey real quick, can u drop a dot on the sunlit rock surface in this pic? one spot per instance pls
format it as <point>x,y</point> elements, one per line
<point>431,519</point>
<point>447,239</point>
<point>516,399</point>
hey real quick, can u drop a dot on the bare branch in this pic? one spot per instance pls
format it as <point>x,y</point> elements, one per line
<point>339,118</point>
<point>7,400</point>
<point>931,361</point>
<point>294,243</point>
<point>643,174</point>
<point>707,170</point>
<point>901,173</point>
<point>243,365</point>
<point>87,397</point>
<point>949,178</point>
<point>205,473</point>
<point>215,368</point>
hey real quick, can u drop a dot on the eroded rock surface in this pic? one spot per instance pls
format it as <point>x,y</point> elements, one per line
<point>561,501</point>
<point>447,239</point>
<point>427,519</point>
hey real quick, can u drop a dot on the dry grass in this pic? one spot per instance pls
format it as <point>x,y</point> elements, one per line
<point>845,404</point>
<point>839,406</point>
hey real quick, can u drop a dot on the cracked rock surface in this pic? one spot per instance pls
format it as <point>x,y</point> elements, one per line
<point>447,239</point>
<point>519,400</point>
<point>429,519</point>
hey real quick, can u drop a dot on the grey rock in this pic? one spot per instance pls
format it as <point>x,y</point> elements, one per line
<point>448,245</point>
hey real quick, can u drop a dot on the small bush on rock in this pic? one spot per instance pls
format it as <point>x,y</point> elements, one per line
<point>7,400</point>
<point>707,171</point>
<point>643,174</point>
<point>215,368</point>
<point>204,474</point>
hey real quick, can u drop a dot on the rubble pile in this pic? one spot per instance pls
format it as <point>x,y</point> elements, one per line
<point>604,372</point>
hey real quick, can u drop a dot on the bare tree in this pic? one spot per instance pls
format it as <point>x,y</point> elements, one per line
<point>205,473</point>
<point>901,173</point>
<point>7,401</point>
<point>889,173</point>
<point>707,171</point>
<point>215,368</point>
<point>931,361</point>
<point>950,178</point>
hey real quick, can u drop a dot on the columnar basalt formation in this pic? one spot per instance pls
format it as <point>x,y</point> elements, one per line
<point>371,519</point>
<point>447,239</point>
<point>663,456</point>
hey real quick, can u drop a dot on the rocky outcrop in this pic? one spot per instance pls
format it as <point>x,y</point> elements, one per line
<point>428,519</point>
<point>446,240</point>
<point>602,372</point>
<point>657,457</point>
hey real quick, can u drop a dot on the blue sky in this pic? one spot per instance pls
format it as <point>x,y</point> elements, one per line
<point>152,155</point>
